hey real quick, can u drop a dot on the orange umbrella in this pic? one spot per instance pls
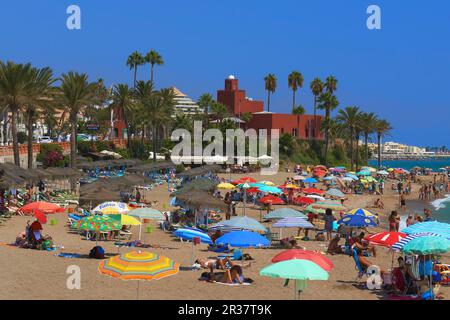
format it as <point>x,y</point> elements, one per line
<point>43,206</point>
<point>271,200</point>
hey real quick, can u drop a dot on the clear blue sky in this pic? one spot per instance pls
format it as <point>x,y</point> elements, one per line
<point>401,72</point>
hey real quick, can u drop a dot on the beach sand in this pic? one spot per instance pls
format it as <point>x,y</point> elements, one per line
<point>33,274</point>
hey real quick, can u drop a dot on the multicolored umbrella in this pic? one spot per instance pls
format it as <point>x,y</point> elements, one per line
<point>357,221</point>
<point>318,258</point>
<point>267,183</point>
<point>45,207</point>
<point>362,212</point>
<point>295,269</point>
<point>439,228</point>
<point>97,223</point>
<point>289,186</point>
<point>399,245</point>
<point>112,207</point>
<point>126,219</point>
<point>385,239</point>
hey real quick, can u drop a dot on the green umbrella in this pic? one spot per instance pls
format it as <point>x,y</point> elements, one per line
<point>427,245</point>
<point>297,269</point>
<point>97,223</point>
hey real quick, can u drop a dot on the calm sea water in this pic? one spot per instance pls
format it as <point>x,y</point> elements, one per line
<point>409,164</point>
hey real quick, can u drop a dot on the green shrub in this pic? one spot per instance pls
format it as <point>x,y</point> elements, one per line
<point>51,155</point>
<point>22,137</point>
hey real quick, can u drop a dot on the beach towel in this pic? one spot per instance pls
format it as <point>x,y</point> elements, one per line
<point>69,255</point>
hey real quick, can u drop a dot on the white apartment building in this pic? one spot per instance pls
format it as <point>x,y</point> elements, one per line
<point>185,104</point>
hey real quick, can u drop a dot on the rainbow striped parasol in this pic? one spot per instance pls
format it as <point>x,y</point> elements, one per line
<point>139,265</point>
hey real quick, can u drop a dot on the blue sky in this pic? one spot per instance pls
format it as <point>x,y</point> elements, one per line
<point>401,72</point>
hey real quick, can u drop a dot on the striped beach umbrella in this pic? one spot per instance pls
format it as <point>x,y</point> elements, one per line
<point>400,244</point>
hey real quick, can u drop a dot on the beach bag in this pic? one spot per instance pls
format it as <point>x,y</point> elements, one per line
<point>97,252</point>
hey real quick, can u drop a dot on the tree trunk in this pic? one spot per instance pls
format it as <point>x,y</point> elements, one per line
<point>379,150</point>
<point>30,140</point>
<point>154,140</point>
<point>366,147</point>
<point>5,127</point>
<point>293,101</point>
<point>268,100</point>
<point>357,151</point>
<point>14,136</point>
<point>125,119</point>
<point>73,142</point>
<point>351,149</point>
<point>327,117</point>
<point>135,76</point>
<point>151,73</point>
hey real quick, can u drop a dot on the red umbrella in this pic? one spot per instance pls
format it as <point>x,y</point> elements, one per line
<point>43,206</point>
<point>271,200</point>
<point>252,190</point>
<point>244,180</point>
<point>386,239</point>
<point>40,216</point>
<point>312,256</point>
<point>36,226</point>
<point>303,200</point>
<point>313,191</point>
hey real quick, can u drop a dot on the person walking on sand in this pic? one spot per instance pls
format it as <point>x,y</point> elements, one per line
<point>402,202</point>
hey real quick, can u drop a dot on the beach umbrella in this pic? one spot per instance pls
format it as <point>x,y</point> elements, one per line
<point>252,190</point>
<point>318,258</point>
<point>298,178</point>
<point>371,169</point>
<point>357,221</point>
<point>311,209</point>
<point>383,173</point>
<point>271,200</point>
<point>267,183</point>
<point>313,191</point>
<point>112,207</point>
<point>329,178</point>
<point>269,189</point>
<point>42,218</point>
<point>243,239</point>
<point>244,180</point>
<point>293,222</point>
<point>45,207</point>
<point>36,226</point>
<point>364,173</point>
<point>427,245</point>
<point>189,234</point>
<point>97,223</point>
<point>400,244</point>
<point>310,180</point>
<point>335,193</point>
<point>347,179</point>
<point>284,213</point>
<point>289,186</point>
<point>295,269</point>
<point>385,239</point>
<point>139,265</point>
<point>333,205</point>
<point>247,185</point>
<point>362,212</point>
<point>146,213</point>
<point>126,220</point>
<point>239,223</point>
<point>436,227</point>
<point>226,186</point>
<point>315,196</point>
<point>303,200</point>
<point>352,176</point>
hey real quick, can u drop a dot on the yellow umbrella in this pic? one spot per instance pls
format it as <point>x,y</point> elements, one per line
<point>126,220</point>
<point>291,186</point>
<point>225,185</point>
<point>390,169</point>
<point>267,183</point>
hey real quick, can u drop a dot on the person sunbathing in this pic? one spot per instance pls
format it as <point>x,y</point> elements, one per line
<point>213,264</point>
<point>234,275</point>
<point>365,263</point>
<point>334,247</point>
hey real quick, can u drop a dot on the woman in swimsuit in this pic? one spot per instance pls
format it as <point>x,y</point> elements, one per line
<point>233,275</point>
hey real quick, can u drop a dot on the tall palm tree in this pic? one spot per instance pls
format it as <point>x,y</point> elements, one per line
<point>75,93</point>
<point>382,128</point>
<point>153,58</point>
<point>142,93</point>
<point>220,111</point>
<point>205,102</point>
<point>40,92</point>
<point>295,81</point>
<point>270,85</point>
<point>327,102</point>
<point>134,61</point>
<point>349,118</point>
<point>15,80</point>
<point>122,101</point>
<point>299,110</point>
<point>331,84</point>
<point>316,89</point>
<point>368,121</point>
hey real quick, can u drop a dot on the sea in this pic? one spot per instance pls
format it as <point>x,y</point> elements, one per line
<point>440,208</point>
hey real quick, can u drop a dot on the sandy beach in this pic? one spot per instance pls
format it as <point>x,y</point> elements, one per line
<point>33,274</point>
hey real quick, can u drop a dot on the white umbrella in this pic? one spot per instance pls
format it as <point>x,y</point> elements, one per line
<point>313,196</point>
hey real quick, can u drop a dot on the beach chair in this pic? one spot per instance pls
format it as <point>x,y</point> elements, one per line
<point>361,271</point>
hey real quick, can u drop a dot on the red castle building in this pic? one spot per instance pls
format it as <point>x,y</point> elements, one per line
<point>300,126</point>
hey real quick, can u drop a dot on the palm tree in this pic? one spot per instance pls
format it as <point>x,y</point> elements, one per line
<point>122,101</point>
<point>220,111</point>
<point>316,89</point>
<point>382,128</point>
<point>153,58</point>
<point>299,110</point>
<point>15,80</point>
<point>40,93</point>
<point>271,85</point>
<point>327,102</point>
<point>142,93</point>
<point>205,102</point>
<point>331,84</point>
<point>295,81</point>
<point>349,118</point>
<point>368,121</point>
<point>134,61</point>
<point>75,93</point>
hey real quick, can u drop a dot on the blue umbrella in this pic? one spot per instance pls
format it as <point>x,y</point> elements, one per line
<point>310,180</point>
<point>284,213</point>
<point>293,222</point>
<point>243,239</point>
<point>239,223</point>
<point>189,234</point>
<point>440,228</point>
<point>352,176</point>
<point>364,173</point>
<point>270,189</point>
<point>357,221</point>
